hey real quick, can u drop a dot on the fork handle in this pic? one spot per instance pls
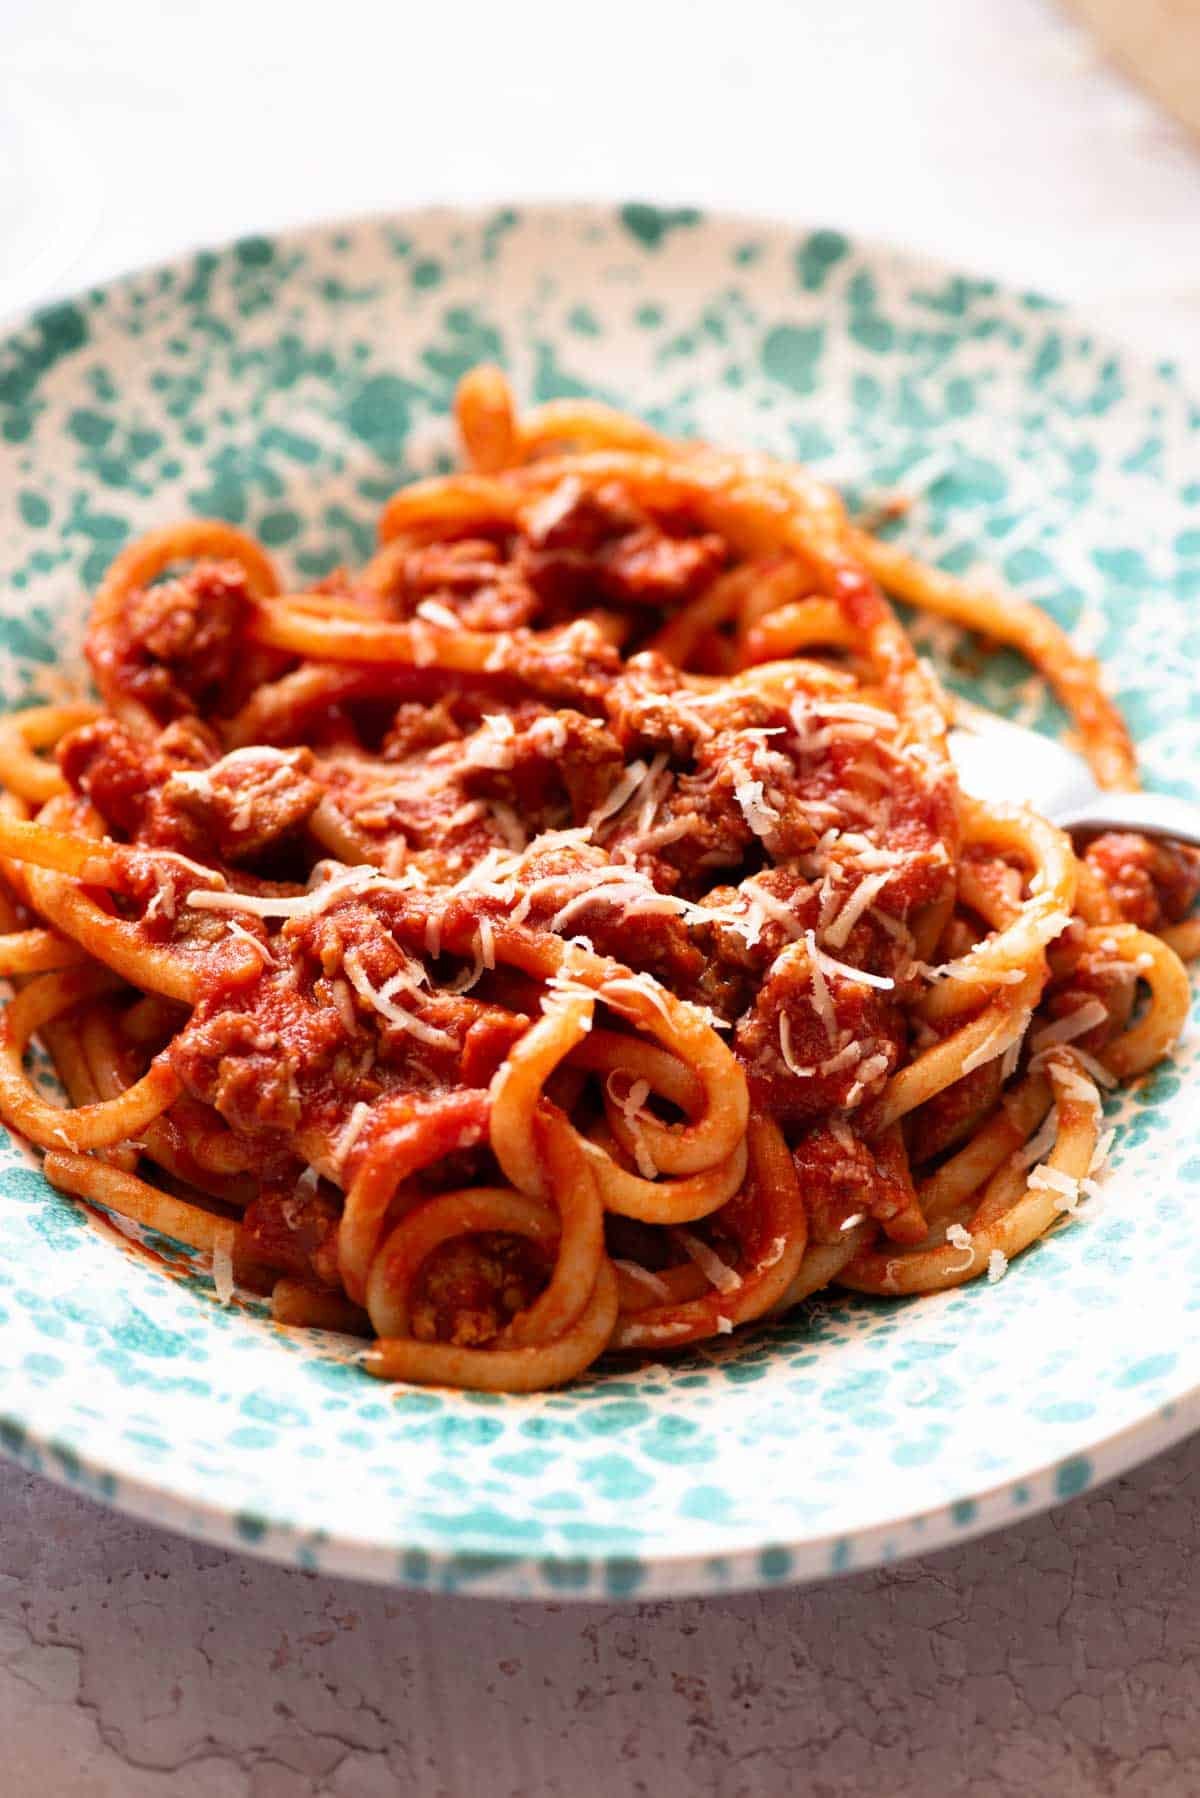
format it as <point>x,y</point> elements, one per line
<point>1150,814</point>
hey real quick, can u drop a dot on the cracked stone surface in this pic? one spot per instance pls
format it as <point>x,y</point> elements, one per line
<point>1060,1657</point>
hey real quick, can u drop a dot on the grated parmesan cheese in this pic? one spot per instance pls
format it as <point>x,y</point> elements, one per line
<point>643,1277</point>
<point>491,745</point>
<point>434,612</point>
<point>470,977</point>
<point>822,1001</point>
<point>1078,1023</point>
<point>1052,1179</point>
<point>667,1332</point>
<point>352,882</point>
<point>1007,1032</point>
<point>873,1068</point>
<point>222,1269</point>
<point>628,987</point>
<point>620,795</point>
<point>1074,1084</point>
<point>353,1130</point>
<point>717,1272</point>
<point>761,817</point>
<point>960,1238</point>
<point>1087,1061</point>
<point>244,935</point>
<point>1100,1153</point>
<point>507,823</point>
<point>845,1058</point>
<point>773,908</point>
<point>775,1253</point>
<point>785,1049</point>
<point>829,965</point>
<point>837,932</point>
<point>549,733</point>
<point>344,1000</point>
<point>380,1000</point>
<point>1010,1058</point>
<point>631,1109</point>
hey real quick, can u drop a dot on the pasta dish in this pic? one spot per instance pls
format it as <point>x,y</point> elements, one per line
<point>566,934</point>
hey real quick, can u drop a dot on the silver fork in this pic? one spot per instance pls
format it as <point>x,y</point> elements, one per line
<point>1003,762</point>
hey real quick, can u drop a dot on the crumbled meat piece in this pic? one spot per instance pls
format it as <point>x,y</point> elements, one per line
<point>651,708</point>
<point>177,644</point>
<point>562,756</point>
<point>583,547</point>
<point>1153,884</point>
<point>418,727</point>
<point>950,1115</point>
<point>574,666</point>
<point>647,568</point>
<point>294,1230</point>
<point>237,1063</point>
<point>124,776</point>
<point>470,1288</point>
<point>246,801</point>
<point>470,578</point>
<point>845,1180</point>
<point>849,1064</point>
<point>574,517</point>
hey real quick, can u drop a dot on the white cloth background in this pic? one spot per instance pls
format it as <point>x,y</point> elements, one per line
<point>988,131</point>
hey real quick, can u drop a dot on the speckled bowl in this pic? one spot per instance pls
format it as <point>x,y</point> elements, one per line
<point>289,384</point>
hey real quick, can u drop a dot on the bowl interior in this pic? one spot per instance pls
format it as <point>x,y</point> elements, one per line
<point>289,385</point>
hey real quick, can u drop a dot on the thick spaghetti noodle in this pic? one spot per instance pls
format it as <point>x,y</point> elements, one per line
<point>566,934</point>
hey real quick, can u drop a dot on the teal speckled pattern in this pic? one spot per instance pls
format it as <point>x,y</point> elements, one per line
<point>288,385</point>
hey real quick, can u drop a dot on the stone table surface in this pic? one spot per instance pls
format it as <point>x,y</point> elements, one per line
<point>1062,1657</point>
<point>1059,1657</point>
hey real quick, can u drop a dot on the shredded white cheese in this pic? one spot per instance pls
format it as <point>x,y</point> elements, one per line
<point>846,1057</point>
<point>1064,1186</point>
<point>960,1238</point>
<point>761,817</point>
<point>631,1110</point>
<point>1064,1030</point>
<point>829,965</point>
<point>626,785</point>
<point>352,1131</point>
<point>381,1000</point>
<point>643,1277</point>
<point>256,943</point>
<point>785,1049</point>
<point>434,612</point>
<point>340,885</point>
<point>222,1270</point>
<point>837,932</point>
<point>1000,1039</point>
<point>1087,1061</point>
<point>774,908</point>
<point>717,1272</point>
<point>822,1000</point>
<point>507,823</point>
<point>1100,1153</point>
